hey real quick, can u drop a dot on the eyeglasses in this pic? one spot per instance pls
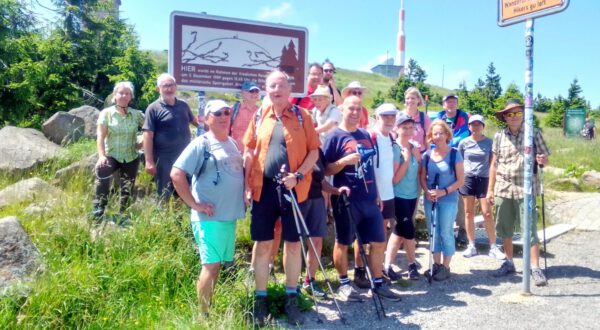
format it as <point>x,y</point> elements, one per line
<point>167,85</point>
<point>357,93</point>
<point>254,91</point>
<point>514,114</point>
<point>225,112</point>
<point>329,70</point>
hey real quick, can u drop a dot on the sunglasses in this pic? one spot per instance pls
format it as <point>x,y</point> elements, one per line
<point>225,112</point>
<point>254,91</point>
<point>329,70</point>
<point>357,93</point>
<point>514,114</point>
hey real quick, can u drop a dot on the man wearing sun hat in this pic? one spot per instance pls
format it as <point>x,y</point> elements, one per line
<point>356,89</point>
<point>506,185</point>
<point>326,116</point>
<point>215,196</point>
<point>244,110</point>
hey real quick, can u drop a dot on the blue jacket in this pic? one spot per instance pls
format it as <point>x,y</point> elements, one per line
<point>460,128</point>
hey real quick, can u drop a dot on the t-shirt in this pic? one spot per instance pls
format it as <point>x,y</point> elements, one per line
<point>446,175</point>
<point>171,126</point>
<point>384,167</point>
<point>331,113</point>
<point>277,155</point>
<point>408,187</point>
<point>360,177</point>
<point>304,102</point>
<point>419,133</point>
<point>120,139</point>
<point>477,156</point>
<point>227,194</point>
<point>240,123</point>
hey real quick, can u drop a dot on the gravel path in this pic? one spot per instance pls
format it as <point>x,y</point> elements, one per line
<point>472,298</point>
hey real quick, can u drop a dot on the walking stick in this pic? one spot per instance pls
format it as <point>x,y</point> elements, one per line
<point>432,234</point>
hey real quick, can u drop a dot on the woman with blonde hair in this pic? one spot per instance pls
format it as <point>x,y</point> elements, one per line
<point>412,101</point>
<point>441,176</point>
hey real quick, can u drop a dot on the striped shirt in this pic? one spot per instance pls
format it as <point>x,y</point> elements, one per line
<point>120,139</point>
<point>510,161</point>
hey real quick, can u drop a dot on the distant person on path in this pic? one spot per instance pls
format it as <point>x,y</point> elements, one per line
<point>243,111</point>
<point>349,153</point>
<point>505,188</point>
<point>458,122</point>
<point>412,101</point>
<point>476,151</point>
<point>166,133</point>
<point>441,177</point>
<point>329,80</point>
<point>313,80</point>
<point>283,135</point>
<point>215,196</point>
<point>117,128</point>
<point>326,116</point>
<point>589,129</point>
<point>355,89</point>
<point>406,194</point>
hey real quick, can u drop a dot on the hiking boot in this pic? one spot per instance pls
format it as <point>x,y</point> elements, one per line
<point>294,315</point>
<point>97,212</point>
<point>538,277</point>
<point>461,237</point>
<point>261,311</point>
<point>413,272</point>
<point>470,251</point>
<point>506,269</point>
<point>385,292</point>
<point>496,253</point>
<point>436,268</point>
<point>391,274</point>
<point>313,288</point>
<point>360,279</point>
<point>123,221</point>
<point>348,292</point>
<point>442,274</point>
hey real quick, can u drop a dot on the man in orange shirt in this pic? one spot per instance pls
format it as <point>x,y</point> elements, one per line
<point>283,134</point>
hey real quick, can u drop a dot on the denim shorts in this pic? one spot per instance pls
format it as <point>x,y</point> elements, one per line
<point>474,186</point>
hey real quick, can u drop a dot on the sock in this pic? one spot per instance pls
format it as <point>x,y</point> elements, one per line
<point>291,291</point>
<point>386,266</point>
<point>344,280</point>
<point>260,293</point>
<point>472,244</point>
<point>510,261</point>
<point>378,281</point>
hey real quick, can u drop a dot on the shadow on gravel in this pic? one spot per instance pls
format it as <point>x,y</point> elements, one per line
<point>571,271</point>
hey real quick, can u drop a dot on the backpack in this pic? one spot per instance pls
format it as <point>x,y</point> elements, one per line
<point>373,135</point>
<point>208,155</point>
<point>234,113</point>
<point>453,152</point>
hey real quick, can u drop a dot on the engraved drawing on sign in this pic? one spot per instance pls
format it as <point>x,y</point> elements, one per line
<point>208,46</point>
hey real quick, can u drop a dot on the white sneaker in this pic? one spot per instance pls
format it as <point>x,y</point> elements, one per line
<point>470,251</point>
<point>496,253</point>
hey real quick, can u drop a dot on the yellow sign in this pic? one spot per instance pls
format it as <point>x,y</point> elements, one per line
<point>513,11</point>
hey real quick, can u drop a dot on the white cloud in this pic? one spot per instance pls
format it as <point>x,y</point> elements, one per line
<point>269,13</point>
<point>379,59</point>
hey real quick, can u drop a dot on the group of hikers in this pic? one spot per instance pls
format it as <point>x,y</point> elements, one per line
<point>295,161</point>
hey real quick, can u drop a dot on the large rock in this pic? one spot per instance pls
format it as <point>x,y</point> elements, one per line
<point>592,178</point>
<point>19,257</point>
<point>89,115</point>
<point>24,148</point>
<point>63,128</point>
<point>27,190</point>
<point>82,167</point>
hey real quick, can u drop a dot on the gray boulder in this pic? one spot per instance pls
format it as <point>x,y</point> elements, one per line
<point>27,190</point>
<point>19,257</point>
<point>591,178</point>
<point>24,148</point>
<point>89,115</point>
<point>82,167</point>
<point>63,128</point>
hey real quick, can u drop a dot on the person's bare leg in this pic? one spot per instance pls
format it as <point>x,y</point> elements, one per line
<point>535,255</point>
<point>340,258</point>
<point>276,241</point>
<point>376,258</point>
<point>469,205</point>
<point>447,260</point>
<point>312,258</point>
<point>292,263</point>
<point>486,209</point>
<point>206,284</point>
<point>409,248</point>
<point>392,248</point>
<point>357,260</point>
<point>507,243</point>
<point>262,257</point>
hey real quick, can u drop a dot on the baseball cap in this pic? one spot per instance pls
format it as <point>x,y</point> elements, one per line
<point>386,109</point>
<point>450,96</point>
<point>475,118</point>
<point>215,105</point>
<point>248,85</point>
<point>402,118</point>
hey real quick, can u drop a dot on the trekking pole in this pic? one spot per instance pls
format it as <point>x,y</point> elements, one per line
<point>363,256</point>
<point>541,178</point>
<point>301,224</point>
<point>432,234</point>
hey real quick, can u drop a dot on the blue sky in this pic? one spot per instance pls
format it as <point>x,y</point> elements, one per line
<point>454,39</point>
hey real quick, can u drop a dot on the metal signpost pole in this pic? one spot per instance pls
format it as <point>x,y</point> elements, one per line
<point>528,190</point>
<point>201,95</point>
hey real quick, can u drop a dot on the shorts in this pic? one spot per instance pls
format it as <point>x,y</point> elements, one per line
<point>405,226</point>
<point>215,240</point>
<point>315,215</point>
<point>366,217</point>
<point>265,212</point>
<point>474,186</point>
<point>388,209</point>
<point>508,218</point>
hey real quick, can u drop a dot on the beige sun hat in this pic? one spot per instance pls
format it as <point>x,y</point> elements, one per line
<point>351,86</point>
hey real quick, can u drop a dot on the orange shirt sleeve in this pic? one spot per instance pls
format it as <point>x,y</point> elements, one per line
<point>312,138</point>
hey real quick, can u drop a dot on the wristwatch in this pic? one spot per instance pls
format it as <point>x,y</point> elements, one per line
<point>299,176</point>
